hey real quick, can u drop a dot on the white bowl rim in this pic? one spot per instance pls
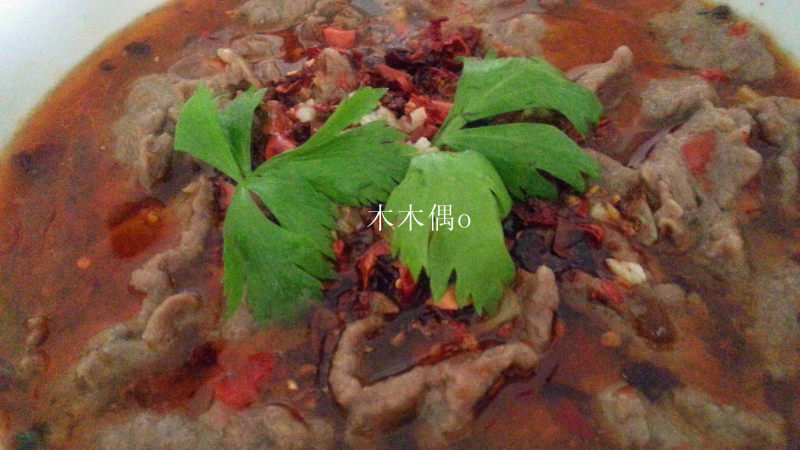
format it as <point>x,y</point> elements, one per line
<point>66,32</point>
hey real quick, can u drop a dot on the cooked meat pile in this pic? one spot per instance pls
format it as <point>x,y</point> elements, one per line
<point>659,309</point>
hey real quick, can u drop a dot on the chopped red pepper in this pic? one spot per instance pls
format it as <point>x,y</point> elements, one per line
<point>278,143</point>
<point>405,283</point>
<point>279,121</point>
<point>539,213</point>
<point>225,194</point>
<point>608,292</point>
<point>366,264</point>
<point>427,131</point>
<point>339,247</point>
<point>313,52</point>
<point>698,151</point>
<point>340,39</point>
<point>437,110</point>
<point>403,79</point>
<point>581,208</point>
<point>594,231</point>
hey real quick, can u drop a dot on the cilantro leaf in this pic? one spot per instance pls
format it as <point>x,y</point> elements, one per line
<point>476,254</point>
<point>518,150</point>
<point>297,206</point>
<point>274,268</point>
<point>491,87</point>
<point>200,131</point>
<point>237,123</point>
<point>494,160</point>
<point>350,111</point>
<point>358,167</point>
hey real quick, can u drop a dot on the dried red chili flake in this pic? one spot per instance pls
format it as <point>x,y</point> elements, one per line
<point>451,338</point>
<point>339,248</point>
<point>366,263</point>
<point>241,389</point>
<point>536,213</point>
<point>581,208</point>
<point>715,75</point>
<point>443,51</point>
<point>432,36</point>
<point>559,330</point>
<point>402,79</point>
<point>225,193</point>
<point>437,110</point>
<point>279,143</point>
<point>698,151</point>
<point>294,83</point>
<point>326,107</point>
<point>405,283</point>
<point>343,83</point>
<point>427,131</point>
<point>279,121</point>
<point>339,39</point>
<point>595,232</point>
<point>605,137</point>
<point>608,292</point>
<point>313,52</point>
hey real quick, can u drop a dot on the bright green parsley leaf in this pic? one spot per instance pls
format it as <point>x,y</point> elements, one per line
<point>512,154</point>
<point>221,138</point>
<point>274,268</point>
<point>360,166</point>
<point>349,112</point>
<point>237,123</point>
<point>476,254</point>
<point>297,206</point>
<point>490,87</point>
<point>518,150</point>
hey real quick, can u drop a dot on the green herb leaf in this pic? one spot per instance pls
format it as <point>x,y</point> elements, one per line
<point>476,254</point>
<point>200,132</point>
<point>358,167</point>
<point>275,269</point>
<point>349,112</point>
<point>518,150</point>
<point>491,87</point>
<point>297,206</point>
<point>237,123</point>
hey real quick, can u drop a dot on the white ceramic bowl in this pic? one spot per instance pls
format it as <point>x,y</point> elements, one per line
<point>41,40</point>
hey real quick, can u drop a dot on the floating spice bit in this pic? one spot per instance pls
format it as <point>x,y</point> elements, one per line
<point>448,302</point>
<point>610,339</point>
<point>37,331</point>
<point>631,272</point>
